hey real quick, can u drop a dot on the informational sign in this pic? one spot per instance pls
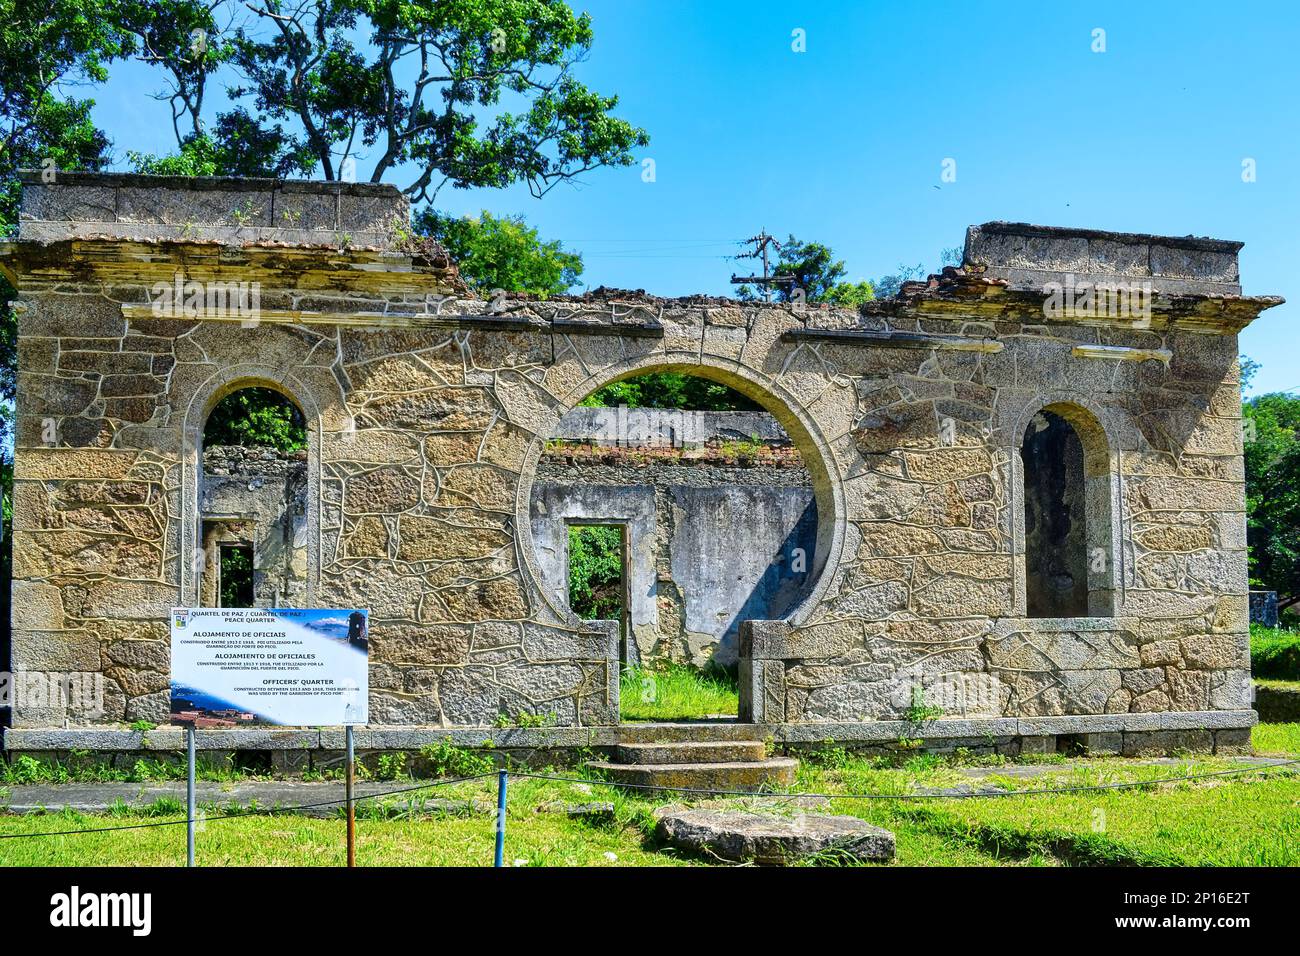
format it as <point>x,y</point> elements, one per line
<point>248,667</point>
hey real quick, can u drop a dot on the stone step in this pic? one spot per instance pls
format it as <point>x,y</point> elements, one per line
<point>692,751</point>
<point>775,773</point>
<point>687,732</point>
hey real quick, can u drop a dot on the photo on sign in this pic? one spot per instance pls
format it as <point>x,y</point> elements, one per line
<point>248,667</point>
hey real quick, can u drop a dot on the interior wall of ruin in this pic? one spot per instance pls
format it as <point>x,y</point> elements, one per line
<point>258,497</point>
<point>720,515</point>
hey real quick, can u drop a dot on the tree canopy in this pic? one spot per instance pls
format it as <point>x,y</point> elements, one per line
<point>502,253</point>
<point>47,49</point>
<point>671,390</point>
<point>258,417</point>
<point>468,92</point>
<point>1272,451</point>
<point>819,277</point>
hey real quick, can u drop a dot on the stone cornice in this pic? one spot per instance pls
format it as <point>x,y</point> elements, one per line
<point>276,265</point>
<point>957,296</point>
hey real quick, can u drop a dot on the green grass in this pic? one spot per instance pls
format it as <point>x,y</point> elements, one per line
<point>675,692</point>
<point>1253,822</point>
<point>1232,821</point>
<point>1274,652</point>
<point>1278,684</point>
<point>539,839</point>
<point>1276,739</point>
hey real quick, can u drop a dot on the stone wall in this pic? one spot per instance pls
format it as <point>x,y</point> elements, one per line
<point>429,411</point>
<point>718,513</point>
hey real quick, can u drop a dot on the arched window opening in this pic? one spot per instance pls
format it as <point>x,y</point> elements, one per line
<point>1069,558</point>
<point>256,417</point>
<point>253,502</point>
<point>678,506</point>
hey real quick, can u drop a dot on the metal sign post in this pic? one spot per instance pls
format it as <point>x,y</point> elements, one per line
<point>189,795</point>
<point>352,809</point>
<point>501,819</point>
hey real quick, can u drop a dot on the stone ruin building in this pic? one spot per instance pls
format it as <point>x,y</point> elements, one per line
<point>1019,490</point>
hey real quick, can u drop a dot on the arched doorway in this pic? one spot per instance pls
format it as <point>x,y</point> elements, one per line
<point>253,501</point>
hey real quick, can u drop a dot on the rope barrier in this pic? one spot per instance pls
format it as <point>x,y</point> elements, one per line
<point>1122,785</point>
<point>271,811</point>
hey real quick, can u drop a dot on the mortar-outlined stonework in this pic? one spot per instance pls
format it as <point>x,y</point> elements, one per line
<point>428,410</point>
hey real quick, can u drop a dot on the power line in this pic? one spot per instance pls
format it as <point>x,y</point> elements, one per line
<point>760,244</point>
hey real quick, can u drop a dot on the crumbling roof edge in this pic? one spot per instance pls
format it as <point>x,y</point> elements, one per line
<point>37,177</point>
<point>1202,243</point>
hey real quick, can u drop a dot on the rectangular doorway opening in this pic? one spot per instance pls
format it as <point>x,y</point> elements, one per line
<point>598,582</point>
<point>235,581</point>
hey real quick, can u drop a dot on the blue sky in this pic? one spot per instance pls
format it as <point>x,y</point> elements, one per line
<point>844,143</point>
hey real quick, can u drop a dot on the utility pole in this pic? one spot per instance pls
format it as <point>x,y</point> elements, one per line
<point>766,280</point>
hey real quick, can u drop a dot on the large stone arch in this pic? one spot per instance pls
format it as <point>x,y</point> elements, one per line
<point>798,421</point>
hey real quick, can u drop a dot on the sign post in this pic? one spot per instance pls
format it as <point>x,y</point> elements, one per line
<point>189,796</point>
<point>352,808</point>
<point>269,666</point>
<point>499,857</point>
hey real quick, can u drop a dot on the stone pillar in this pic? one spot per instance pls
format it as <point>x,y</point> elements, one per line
<point>762,671</point>
<point>598,706</point>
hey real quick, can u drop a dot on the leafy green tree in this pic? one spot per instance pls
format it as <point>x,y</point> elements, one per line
<point>850,295</point>
<point>596,572</point>
<point>502,253</point>
<point>258,417</point>
<point>1272,451</point>
<point>817,276</point>
<point>469,92</point>
<point>813,267</point>
<point>44,47</point>
<point>239,146</point>
<point>184,39</point>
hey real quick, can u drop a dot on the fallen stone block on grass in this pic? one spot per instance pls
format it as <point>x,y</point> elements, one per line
<point>771,840</point>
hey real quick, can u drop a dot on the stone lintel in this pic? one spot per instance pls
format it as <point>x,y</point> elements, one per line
<point>1062,625</point>
<point>633,329</point>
